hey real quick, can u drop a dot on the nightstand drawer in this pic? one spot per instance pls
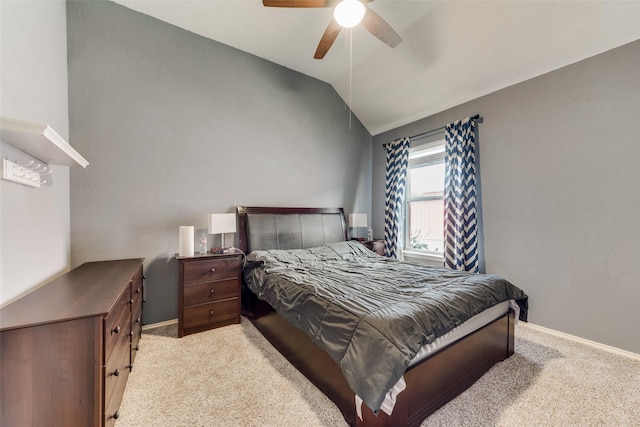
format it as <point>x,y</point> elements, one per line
<point>210,269</point>
<point>210,314</point>
<point>210,291</point>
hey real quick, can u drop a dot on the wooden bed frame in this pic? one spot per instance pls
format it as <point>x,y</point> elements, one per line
<point>430,384</point>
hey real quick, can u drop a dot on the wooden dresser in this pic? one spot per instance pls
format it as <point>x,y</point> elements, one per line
<point>208,291</point>
<point>67,348</point>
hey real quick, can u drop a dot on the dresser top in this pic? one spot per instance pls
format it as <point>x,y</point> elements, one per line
<point>86,291</point>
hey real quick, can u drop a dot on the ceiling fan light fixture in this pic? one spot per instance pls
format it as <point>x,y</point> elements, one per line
<point>349,13</point>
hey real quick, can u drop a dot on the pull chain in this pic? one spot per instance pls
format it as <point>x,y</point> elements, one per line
<point>350,72</point>
<point>346,69</point>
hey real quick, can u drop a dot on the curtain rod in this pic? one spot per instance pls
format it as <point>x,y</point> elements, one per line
<point>438,130</point>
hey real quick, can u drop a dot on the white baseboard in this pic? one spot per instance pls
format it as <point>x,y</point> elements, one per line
<point>604,347</point>
<point>157,325</point>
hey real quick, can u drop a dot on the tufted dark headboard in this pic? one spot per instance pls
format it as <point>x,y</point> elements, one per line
<point>262,228</point>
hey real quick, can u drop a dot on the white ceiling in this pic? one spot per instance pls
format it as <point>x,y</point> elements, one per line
<point>452,51</point>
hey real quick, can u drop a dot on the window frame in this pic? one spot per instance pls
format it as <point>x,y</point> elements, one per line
<point>428,154</point>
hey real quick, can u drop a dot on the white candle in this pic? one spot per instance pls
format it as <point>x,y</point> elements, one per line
<point>185,244</point>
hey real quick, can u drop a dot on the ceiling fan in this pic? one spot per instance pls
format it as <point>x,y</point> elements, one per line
<point>370,20</point>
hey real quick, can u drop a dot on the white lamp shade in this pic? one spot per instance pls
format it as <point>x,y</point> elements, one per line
<point>357,220</point>
<point>349,13</point>
<point>222,223</point>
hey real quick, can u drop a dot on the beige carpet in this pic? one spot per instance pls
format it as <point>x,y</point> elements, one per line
<point>233,377</point>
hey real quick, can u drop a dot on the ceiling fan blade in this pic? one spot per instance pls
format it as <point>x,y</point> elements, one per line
<point>379,28</point>
<point>329,36</point>
<point>300,3</point>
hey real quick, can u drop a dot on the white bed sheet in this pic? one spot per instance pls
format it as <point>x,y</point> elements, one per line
<point>471,325</point>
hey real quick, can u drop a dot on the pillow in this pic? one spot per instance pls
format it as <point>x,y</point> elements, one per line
<point>344,250</point>
<point>351,250</point>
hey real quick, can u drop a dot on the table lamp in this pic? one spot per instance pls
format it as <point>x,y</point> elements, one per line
<point>357,220</point>
<point>221,224</point>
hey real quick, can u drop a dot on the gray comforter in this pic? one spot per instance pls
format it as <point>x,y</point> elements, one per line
<point>371,314</point>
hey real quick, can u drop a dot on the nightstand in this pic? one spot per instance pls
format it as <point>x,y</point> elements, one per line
<point>208,291</point>
<point>376,246</point>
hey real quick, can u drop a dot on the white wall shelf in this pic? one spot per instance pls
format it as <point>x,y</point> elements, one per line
<point>40,141</point>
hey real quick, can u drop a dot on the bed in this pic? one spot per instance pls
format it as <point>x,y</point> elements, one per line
<point>305,255</point>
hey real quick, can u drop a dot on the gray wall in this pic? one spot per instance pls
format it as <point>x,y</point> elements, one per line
<point>560,158</point>
<point>177,126</point>
<point>34,223</point>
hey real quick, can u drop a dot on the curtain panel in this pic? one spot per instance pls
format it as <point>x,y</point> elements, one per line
<point>396,178</point>
<point>460,222</point>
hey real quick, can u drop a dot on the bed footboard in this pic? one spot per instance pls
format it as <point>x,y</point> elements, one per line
<point>430,383</point>
<point>446,374</point>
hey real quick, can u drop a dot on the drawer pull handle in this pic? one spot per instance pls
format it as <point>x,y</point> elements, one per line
<point>116,372</point>
<point>130,301</point>
<point>138,291</point>
<point>211,291</point>
<point>116,415</point>
<point>130,334</point>
<point>137,320</point>
<point>213,270</point>
<point>211,313</point>
<point>137,348</point>
<point>116,330</point>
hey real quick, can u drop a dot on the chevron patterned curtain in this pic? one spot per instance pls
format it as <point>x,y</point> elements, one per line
<point>460,224</point>
<point>396,178</point>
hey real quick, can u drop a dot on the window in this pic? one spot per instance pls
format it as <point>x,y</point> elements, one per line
<point>424,210</point>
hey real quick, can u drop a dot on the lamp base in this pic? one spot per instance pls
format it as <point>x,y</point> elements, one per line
<point>218,250</point>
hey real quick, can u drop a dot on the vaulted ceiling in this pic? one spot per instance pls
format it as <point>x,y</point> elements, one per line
<point>451,51</point>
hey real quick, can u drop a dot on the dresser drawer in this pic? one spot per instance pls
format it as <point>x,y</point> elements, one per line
<point>116,373</point>
<point>118,323</point>
<point>136,294</point>
<point>114,389</point>
<point>121,349</point>
<point>137,332</point>
<point>211,291</point>
<point>210,314</point>
<point>210,269</point>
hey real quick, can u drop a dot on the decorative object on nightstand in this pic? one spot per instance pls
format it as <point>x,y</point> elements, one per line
<point>203,244</point>
<point>357,220</point>
<point>208,291</point>
<point>221,224</point>
<point>185,243</point>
